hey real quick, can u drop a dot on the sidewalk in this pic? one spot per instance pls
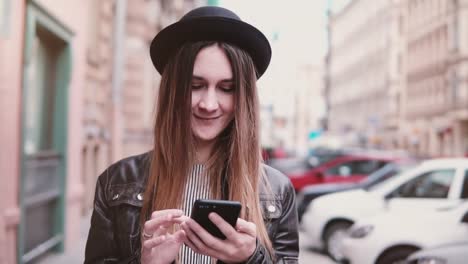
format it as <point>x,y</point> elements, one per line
<point>72,256</point>
<point>76,255</point>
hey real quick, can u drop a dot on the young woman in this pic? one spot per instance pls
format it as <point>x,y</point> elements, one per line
<point>206,146</point>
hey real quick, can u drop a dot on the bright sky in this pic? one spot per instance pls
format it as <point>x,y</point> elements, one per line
<point>299,25</point>
<point>297,32</point>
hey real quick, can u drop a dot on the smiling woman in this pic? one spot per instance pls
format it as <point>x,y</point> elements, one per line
<point>206,146</point>
<point>212,96</point>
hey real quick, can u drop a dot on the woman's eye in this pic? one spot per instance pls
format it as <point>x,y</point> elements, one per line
<point>227,88</point>
<point>196,86</point>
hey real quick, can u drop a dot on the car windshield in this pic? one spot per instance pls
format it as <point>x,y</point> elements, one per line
<point>379,178</point>
<point>404,169</point>
<point>321,156</point>
<point>290,165</point>
<point>296,165</point>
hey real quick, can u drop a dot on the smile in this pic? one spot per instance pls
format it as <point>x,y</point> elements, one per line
<point>207,118</point>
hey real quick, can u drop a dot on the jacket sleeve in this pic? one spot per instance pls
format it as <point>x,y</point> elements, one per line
<point>286,240</point>
<point>101,246</point>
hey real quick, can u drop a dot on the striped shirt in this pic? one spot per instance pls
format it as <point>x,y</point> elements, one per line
<point>197,187</point>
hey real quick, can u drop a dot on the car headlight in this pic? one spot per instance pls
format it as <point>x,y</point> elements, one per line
<point>431,260</point>
<point>361,231</point>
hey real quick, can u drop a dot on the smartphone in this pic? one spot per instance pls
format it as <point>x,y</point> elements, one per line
<point>228,210</point>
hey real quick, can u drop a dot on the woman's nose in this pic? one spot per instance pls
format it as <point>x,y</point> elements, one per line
<point>209,100</point>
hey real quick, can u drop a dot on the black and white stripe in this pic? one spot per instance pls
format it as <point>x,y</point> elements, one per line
<point>197,187</point>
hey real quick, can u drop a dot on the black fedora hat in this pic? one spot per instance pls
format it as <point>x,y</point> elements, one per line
<point>211,23</point>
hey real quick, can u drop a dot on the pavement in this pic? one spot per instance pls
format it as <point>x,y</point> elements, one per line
<point>308,255</point>
<point>74,255</point>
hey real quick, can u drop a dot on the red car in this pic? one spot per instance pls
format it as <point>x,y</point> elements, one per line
<point>342,169</point>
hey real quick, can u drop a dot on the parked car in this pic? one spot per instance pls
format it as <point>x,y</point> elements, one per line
<point>291,164</point>
<point>453,253</point>
<point>392,236</point>
<point>348,168</point>
<point>302,164</point>
<point>321,155</point>
<point>443,181</point>
<point>309,193</point>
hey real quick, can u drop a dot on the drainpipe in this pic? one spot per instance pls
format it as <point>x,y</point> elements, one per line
<point>117,79</point>
<point>326,121</point>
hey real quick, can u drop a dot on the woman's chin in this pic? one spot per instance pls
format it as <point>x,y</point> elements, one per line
<point>205,139</point>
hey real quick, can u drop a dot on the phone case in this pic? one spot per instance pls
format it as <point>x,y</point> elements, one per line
<point>228,210</point>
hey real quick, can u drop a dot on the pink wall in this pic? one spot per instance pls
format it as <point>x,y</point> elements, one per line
<point>73,13</point>
<point>10,93</point>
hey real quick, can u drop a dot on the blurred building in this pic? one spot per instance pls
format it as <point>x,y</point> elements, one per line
<point>435,98</point>
<point>77,93</point>
<point>43,46</point>
<point>308,105</point>
<point>289,115</point>
<point>291,97</point>
<point>364,75</point>
<point>121,80</point>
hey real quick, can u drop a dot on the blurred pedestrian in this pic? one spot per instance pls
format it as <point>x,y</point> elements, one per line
<point>206,145</point>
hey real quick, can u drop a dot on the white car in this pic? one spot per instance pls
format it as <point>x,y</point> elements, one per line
<point>444,181</point>
<point>392,236</point>
<point>453,253</point>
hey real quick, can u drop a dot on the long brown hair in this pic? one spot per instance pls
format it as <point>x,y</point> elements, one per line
<point>236,157</point>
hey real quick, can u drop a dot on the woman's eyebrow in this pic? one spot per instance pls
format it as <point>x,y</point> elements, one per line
<point>199,78</point>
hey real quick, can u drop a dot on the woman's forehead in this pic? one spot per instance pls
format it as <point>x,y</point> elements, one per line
<point>212,63</point>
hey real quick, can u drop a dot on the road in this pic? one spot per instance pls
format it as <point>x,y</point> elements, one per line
<point>308,256</point>
<point>75,255</point>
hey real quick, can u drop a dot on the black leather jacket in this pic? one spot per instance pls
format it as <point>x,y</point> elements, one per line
<point>114,236</point>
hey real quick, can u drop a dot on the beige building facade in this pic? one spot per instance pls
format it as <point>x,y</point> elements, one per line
<point>435,99</point>
<point>289,115</point>
<point>291,98</point>
<point>42,45</point>
<point>364,72</point>
<point>121,81</point>
<point>65,115</point>
<point>309,106</point>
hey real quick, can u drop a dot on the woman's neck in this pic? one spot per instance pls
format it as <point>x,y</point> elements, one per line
<point>203,151</point>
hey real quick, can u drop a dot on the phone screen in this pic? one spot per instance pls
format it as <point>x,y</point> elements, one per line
<point>228,210</point>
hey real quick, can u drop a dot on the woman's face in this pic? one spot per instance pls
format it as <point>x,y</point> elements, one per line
<point>212,94</point>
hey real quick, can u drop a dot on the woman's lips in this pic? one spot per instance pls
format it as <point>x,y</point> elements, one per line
<point>206,118</point>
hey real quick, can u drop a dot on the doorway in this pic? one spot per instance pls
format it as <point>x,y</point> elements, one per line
<point>46,72</point>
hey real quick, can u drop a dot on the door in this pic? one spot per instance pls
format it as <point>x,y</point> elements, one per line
<point>46,73</point>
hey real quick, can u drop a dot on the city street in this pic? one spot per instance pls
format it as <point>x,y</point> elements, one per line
<point>308,256</point>
<point>75,256</point>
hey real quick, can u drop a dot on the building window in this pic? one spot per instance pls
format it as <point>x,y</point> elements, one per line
<point>40,109</point>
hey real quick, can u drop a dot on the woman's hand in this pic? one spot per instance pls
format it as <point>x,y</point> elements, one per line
<point>239,245</point>
<point>158,245</point>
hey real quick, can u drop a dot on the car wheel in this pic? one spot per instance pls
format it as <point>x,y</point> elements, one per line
<point>332,237</point>
<point>396,256</point>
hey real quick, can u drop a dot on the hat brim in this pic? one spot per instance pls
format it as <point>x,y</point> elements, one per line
<point>238,33</point>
